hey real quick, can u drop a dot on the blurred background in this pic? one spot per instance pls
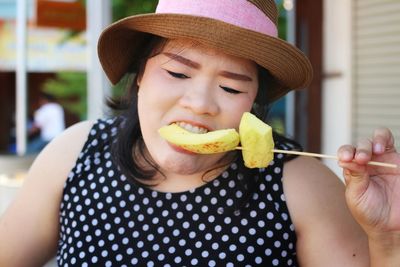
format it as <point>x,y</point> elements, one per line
<point>48,49</point>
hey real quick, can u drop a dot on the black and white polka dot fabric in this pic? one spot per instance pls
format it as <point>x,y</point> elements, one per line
<point>106,220</point>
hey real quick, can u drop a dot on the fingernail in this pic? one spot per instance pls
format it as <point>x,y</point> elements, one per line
<point>346,155</point>
<point>378,148</point>
<point>361,154</point>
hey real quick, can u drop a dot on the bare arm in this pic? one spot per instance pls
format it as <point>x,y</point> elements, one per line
<point>327,233</point>
<point>29,228</point>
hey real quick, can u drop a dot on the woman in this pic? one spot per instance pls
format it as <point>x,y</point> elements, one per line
<point>120,195</point>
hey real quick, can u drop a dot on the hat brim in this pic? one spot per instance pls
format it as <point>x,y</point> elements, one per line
<point>121,42</point>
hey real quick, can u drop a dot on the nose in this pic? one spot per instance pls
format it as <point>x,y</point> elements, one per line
<point>200,100</point>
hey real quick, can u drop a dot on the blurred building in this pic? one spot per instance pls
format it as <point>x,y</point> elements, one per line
<point>361,71</point>
<point>50,49</point>
<point>60,36</point>
<point>354,47</point>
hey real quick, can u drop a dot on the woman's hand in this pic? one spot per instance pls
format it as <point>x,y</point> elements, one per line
<point>372,192</point>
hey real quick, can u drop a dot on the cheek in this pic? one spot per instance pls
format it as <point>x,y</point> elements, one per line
<point>153,103</point>
<point>147,110</point>
<point>150,98</point>
<point>156,91</point>
<point>235,108</point>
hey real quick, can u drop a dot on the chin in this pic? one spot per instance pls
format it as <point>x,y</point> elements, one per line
<point>178,165</point>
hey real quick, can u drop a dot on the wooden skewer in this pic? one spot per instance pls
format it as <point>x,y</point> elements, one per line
<point>308,154</point>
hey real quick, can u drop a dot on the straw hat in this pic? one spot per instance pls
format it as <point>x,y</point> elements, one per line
<point>243,28</point>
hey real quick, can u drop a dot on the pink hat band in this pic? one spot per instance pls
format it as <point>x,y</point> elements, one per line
<point>240,13</point>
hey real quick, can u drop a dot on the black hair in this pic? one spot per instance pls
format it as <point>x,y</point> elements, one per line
<point>47,96</point>
<point>129,145</point>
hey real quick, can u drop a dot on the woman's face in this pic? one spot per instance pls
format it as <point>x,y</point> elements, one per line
<point>200,87</point>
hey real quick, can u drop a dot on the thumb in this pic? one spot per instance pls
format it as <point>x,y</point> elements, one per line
<point>357,182</point>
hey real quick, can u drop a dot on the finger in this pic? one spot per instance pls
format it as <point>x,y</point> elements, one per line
<point>356,186</point>
<point>352,168</point>
<point>363,151</point>
<point>356,179</point>
<point>383,141</point>
<point>346,153</point>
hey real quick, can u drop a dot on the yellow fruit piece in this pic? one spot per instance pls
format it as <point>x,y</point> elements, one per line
<point>207,143</point>
<point>256,141</point>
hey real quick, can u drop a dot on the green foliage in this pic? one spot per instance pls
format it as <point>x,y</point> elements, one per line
<point>69,88</point>
<point>124,8</point>
<point>282,21</point>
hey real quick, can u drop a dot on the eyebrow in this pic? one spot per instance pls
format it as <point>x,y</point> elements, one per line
<point>195,65</point>
<point>183,60</point>
<point>235,76</point>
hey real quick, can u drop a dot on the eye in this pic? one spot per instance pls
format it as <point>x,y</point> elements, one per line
<point>230,90</point>
<point>177,75</point>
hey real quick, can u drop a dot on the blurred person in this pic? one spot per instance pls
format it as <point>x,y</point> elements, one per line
<point>12,147</point>
<point>112,192</point>
<point>48,122</point>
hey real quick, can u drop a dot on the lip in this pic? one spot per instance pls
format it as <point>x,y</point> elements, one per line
<point>180,149</point>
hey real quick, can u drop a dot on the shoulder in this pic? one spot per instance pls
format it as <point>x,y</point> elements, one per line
<point>68,143</point>
<point>57,159</point>
<point>316,201</point>
<point>309,185</point>
<point>53,164</point>
<point>308,169</point>
<point>63,151</point>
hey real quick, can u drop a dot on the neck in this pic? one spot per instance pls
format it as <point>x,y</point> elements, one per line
<point>175,182</point>
<point>181,182</point>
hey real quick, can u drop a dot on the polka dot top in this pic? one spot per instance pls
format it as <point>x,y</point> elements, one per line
<point>106,220</point>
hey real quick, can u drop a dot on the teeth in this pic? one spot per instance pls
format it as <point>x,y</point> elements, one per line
<point>192,128</point>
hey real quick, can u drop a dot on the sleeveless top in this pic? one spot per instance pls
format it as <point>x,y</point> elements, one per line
<point>106,220</point>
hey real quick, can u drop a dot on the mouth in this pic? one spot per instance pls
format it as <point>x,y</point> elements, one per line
<point>192,128</point>
<point>181,150</point>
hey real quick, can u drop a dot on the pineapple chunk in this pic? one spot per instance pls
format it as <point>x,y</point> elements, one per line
<point>208,143</point>
<point>256,141</point>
